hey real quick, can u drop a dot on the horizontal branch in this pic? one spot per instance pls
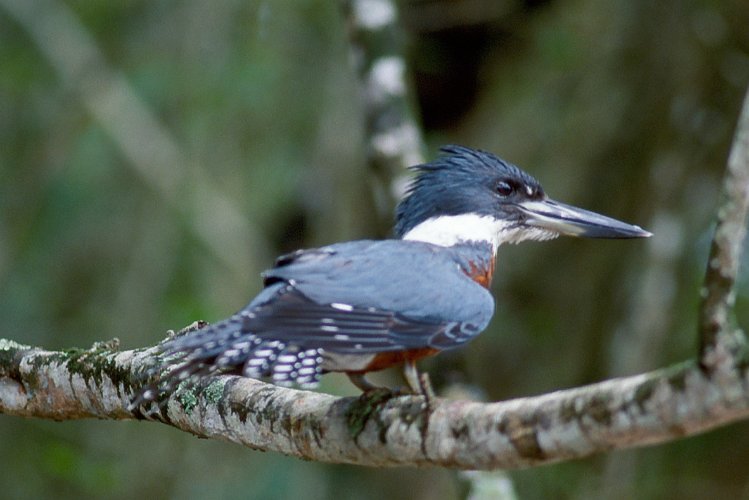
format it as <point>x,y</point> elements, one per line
<point>379,429</point>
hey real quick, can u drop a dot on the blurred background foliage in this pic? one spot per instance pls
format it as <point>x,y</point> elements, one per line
<point>156,155</point>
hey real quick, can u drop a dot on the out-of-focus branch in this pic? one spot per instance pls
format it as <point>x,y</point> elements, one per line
<point>150,148</point>
<point>719,342</point>
<point>392,135</point>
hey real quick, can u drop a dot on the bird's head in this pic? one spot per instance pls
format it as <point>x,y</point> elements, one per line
<point>470,195</point>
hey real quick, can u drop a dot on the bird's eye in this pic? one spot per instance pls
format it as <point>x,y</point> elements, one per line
<point>504,188</point>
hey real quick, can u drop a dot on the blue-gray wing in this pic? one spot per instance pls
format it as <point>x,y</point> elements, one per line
<point>359,297</point>
<point>415,283</point>
<point>418,280</point>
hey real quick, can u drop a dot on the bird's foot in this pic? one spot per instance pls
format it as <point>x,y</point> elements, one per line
<point>419,382</point>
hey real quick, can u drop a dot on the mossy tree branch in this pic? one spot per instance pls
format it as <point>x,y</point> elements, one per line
<point>377,429</point>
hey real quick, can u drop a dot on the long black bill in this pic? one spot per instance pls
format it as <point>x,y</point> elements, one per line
<point>573,221</point>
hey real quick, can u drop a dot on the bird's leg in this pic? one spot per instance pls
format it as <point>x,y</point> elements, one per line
<point>411,374</point>
<point>418,382</point>
<point>360,381</point>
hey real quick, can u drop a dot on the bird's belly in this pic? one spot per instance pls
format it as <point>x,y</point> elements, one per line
<point>362,363</point>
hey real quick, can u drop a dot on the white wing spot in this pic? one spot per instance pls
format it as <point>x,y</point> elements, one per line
<point>342,307</point>
<point>242,346</point>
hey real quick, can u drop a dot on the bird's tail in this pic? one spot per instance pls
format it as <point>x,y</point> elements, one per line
<point>227,347</point>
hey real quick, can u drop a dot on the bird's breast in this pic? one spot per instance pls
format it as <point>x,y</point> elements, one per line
<point>476,259</point>
<point>481,271</point>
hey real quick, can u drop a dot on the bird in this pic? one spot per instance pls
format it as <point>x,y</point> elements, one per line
<point>361,306</point>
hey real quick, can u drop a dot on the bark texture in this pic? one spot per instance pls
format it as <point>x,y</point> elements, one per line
<point>378,429</point>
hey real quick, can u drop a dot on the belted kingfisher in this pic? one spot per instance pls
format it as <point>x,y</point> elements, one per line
<point>362,306</point>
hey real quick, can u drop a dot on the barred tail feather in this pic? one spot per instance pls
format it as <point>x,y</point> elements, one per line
<point>228,347</point>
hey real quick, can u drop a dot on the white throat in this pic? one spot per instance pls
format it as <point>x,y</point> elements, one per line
<point>450,230</point>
